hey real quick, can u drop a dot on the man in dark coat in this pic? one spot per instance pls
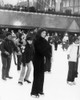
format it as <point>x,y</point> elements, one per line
<point>27,57</point>
<point>42,49</point>
<point>7,47</point>
<point>47,67</point>
<point>56,40</point>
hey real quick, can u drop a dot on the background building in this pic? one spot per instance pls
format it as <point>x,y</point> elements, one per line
<point>73,5</point>
<point>45,4</point>
<point>68,6</point>
<point>38,4</point>
<point>1,3</point>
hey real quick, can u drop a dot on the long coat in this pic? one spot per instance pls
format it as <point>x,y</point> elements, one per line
<point>42,49</point>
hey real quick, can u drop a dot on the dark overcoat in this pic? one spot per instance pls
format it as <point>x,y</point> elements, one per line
<point>42,49</point>
<point>27,55</point>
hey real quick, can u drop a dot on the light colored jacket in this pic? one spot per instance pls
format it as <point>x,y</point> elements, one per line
<point>72,52</point>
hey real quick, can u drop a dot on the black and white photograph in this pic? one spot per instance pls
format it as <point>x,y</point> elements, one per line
<point>40,49</point>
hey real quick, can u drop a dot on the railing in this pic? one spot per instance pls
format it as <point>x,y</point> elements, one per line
<point>34,10</point>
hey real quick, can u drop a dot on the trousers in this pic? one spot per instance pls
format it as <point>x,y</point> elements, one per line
<point>25,74</point>
<point>72,72</point>
<point>6,63</point>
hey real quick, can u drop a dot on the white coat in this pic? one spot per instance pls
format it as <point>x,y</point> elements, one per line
<point>72,52</point>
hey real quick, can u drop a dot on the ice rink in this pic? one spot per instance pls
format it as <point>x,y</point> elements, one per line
<point>55,85</point>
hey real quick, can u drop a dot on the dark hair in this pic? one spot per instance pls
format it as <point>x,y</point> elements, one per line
<point>29,38</point>
<point>8,34</point>
<point>40,30</point>
<point>75,39</point>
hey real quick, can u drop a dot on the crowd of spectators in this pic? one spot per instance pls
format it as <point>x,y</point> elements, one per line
<point>51,33</point>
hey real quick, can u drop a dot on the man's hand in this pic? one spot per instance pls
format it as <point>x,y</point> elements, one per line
<point>19,53</point>
<point>7,53</point>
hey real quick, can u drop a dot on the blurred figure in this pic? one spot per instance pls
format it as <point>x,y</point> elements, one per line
<point>73,54</point>
<point>19,35</point>
<point>65,41</point>
<point>7,48</point>
<point>56,39</point>
<point>47,67</point>
<point>5,32</point>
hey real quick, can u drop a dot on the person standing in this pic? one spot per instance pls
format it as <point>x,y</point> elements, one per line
<point>7,47</point>
<point>73,54</point>
<point>47,67</point>
<point>56,40</point>
<point>27,57</point>
<point>65,41</point>
<point>19,35</point>
<point>42,50</point>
